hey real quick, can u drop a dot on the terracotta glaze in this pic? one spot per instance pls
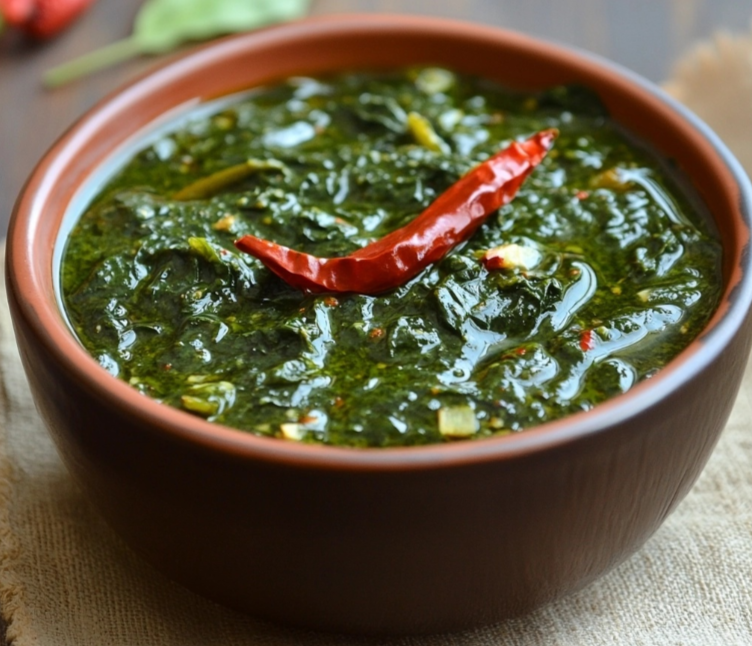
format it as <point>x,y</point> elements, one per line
<point>392,540</point>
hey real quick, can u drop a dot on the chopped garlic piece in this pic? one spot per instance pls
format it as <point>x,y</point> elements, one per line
<point>226,223</point>
<point>433,80</point>
<point>458,421</point>
<point>511,256</point>
<point>612,179</point>
<point>199,405</point>
<point>208,398</point>
<point>292,431</point>
<point>424,134</point>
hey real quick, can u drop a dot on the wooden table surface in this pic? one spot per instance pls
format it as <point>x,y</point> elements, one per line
<point>644,35</point>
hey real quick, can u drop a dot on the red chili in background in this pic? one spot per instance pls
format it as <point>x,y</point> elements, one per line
<point>16,12</point>
<point>399,256</point>
<point>42,18</point>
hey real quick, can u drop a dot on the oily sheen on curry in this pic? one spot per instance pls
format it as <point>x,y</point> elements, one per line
<point>598,272</point>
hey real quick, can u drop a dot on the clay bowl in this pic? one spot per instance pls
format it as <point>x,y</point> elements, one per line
<point>386,541</point>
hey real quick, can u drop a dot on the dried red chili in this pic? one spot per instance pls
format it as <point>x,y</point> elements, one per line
<point>391,261</point>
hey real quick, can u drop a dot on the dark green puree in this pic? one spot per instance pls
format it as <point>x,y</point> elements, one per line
<point>616,268</point>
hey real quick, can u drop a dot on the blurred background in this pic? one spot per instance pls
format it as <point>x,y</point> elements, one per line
<point>647,36</point>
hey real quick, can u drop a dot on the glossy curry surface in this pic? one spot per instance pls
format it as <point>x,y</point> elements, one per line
<point>599,271</point>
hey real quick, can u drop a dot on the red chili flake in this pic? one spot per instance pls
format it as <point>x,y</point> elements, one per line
<point>582,195</point>
<point>330,301</point>
<point>376,333</point>
<point>339,402</point>
<point>308,419</point>
<point>521,351</point>
<point>223,252</point>
<point>168,366</point>
<point>587,340</point>
<point>493,262</point>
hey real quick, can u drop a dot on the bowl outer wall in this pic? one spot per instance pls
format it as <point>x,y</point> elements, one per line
<point>409,540</point>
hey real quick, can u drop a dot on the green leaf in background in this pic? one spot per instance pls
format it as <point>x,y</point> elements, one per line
<point>162,25</point>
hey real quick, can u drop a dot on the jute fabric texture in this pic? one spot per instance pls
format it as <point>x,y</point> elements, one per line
<point>67,580</point>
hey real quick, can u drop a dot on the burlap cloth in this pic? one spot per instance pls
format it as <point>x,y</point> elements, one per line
<point>66,579</point>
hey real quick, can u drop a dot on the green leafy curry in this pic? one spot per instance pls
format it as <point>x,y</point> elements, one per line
<point>609,268</point>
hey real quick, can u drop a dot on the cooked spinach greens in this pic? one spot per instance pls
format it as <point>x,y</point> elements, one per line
<point>607,268</point>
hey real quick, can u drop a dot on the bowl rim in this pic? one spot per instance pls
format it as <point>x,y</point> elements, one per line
<point>49,326</point>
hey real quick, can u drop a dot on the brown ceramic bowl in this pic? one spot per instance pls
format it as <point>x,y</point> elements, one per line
<point>391,540</point>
